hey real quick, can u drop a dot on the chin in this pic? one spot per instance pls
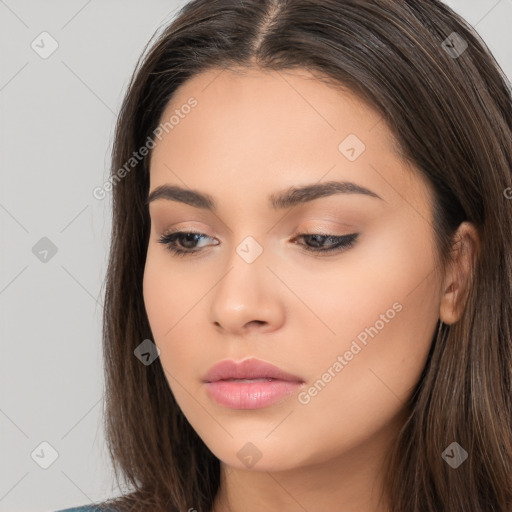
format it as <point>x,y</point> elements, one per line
<point>254,453</point>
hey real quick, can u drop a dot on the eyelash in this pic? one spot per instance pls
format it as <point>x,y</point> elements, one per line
<point>341,242</point>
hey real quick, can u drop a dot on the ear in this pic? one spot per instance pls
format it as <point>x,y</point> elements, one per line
<point>465,250</point>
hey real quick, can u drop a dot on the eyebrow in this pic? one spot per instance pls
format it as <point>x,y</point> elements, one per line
<point>281,200</point>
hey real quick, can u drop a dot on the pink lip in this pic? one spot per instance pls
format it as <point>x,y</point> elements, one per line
<point>240,394</point>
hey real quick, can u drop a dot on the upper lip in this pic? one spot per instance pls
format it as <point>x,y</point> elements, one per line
<point>247,369</point>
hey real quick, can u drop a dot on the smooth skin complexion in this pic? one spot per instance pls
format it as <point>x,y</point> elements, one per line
<point>258,134</point>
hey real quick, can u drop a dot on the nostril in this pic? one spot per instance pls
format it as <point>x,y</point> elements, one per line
<point>259,322</point>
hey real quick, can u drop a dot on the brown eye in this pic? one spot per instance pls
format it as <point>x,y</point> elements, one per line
<point>335,243</point>
<point>187,240</point>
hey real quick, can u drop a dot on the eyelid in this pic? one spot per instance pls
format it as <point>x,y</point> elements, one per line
<point>322,232</point>
<point>325,226</point>
<point>320,228</point>
<point>188,227</point>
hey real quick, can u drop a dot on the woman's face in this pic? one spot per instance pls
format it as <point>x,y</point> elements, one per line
<point>354,325</point>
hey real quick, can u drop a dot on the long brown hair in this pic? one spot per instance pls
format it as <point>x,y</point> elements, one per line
<point>450,110</point>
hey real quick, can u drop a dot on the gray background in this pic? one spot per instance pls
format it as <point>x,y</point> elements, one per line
<point>56,126</point>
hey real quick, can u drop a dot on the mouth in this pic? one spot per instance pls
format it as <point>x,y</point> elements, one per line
<point>248,369</point>
<point>249,384</point>
<point>248,380</point>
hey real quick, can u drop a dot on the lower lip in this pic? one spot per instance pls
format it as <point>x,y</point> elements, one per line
<point>250,395</point>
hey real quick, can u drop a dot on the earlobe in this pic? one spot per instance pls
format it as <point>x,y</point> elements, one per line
<point>457,282</point>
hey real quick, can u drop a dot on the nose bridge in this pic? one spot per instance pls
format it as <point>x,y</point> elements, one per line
<point>250,237</point>
<point>246,266</point>
<point>250,249</point>
<point>246,293</point>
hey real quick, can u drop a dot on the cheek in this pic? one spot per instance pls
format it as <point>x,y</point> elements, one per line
<point>168,295</point>
<point>158,296</point>
<point>174,301</point>
<point>342,297</point>
<point>378,309</point>
<point>390,305</point>
<point>384,314</point>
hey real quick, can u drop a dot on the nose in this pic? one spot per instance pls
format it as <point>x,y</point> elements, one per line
<point>247,299</point>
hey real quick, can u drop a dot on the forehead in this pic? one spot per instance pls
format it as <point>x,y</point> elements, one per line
<point>271,129</point>
<point>292,104</point>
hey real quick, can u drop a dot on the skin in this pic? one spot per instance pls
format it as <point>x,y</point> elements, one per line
<point>257,133</point>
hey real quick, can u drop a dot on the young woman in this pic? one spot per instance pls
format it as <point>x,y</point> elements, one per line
<point>309,295</point>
